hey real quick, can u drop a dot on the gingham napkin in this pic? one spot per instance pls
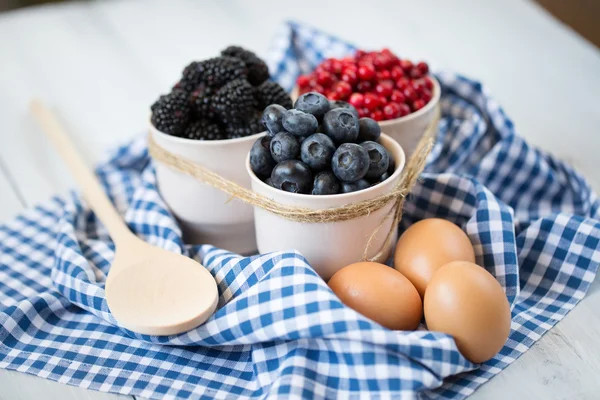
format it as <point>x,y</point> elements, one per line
<point>279,332</point>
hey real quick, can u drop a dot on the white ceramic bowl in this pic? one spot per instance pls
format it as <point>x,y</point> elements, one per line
<point>207,215</point>
<point>328,247</point>
<point>408,130</point>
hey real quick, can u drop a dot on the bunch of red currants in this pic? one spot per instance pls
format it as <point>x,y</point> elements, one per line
<point>378,84</point>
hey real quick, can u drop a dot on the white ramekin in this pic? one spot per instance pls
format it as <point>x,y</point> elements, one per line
<point>207,215</point>
<point>409,130</point>
<point>328,247</point>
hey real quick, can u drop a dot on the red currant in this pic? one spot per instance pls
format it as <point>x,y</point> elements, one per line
<point>410,94</point>
<point>418,104</point>
<point>366,72</point>
<point>429,83</point>
<point>324,78</point>
<point>426,95</point>
<point>402,83</point>
<point>350,76</point>
<point>423,67</point>
<point>303,81</point>
<point>397,73</point>
<point>391,111</point>
<point>397,97</point>
<point>318,88</point>
<point>371,101</point>
<point>363,112</point>
<point>357,100</point>
<point>333,96</point>
<point>415,73</point>
<point>404,109</point>
<point>364,86</point>
<point>384,88</point>
<point>336,66</point>
<point>377,115</point>
<point>383,75</point>
<point>343,89</point>
<point>360,54</point>
<point>406,65</point>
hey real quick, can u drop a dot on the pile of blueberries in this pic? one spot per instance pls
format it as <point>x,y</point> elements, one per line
<point>320,147</point>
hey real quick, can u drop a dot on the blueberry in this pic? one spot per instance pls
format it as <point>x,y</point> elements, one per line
<point>284,146</point>
<point>299,123</point>
<point>313,103</point>
<point>361,184</point>
<point>345,105</point>
<point>369,129</point>
<point>316,151</point>
<point>271,118</point>
<point>292,176</point>
<point>350,162</point>
<point>379,160</point>
<point>341,125</point>
<point>268,181</point>
<point>302,138</point>
<point>326,183</point>
<point>261,161</point>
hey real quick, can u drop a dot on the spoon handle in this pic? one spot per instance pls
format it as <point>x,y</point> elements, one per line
<point>92,190</point>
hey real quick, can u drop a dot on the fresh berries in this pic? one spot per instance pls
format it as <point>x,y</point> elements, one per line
<point>258,72</point>
<point>292,176</point>
<point>270,92</point>
<point>216,72</point>
<point>378,84</point>
<point>220,98</point>
<point>313,103</point>
<point>261,161</point>
<point>284,146</point>
<point>234,102</point>
<point>271,118</point>
<point>325,182</point>
<point>317,151</point>
<point>341,125</point>
<point>203,129</point>
<point>302,156</point>
<point>299,123</point>
<point>369,130</point>
<point>350,162</point>
<point>378,159</point>
<point>171,112</point>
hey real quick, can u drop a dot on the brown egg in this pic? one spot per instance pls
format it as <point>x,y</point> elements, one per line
<point>380,293</point>
<point>467,302</point>
<point>427,245</point>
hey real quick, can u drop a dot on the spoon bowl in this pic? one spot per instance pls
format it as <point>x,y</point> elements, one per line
<point>153,291</point>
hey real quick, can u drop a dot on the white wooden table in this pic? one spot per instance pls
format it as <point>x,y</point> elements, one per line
<point>101,64</point>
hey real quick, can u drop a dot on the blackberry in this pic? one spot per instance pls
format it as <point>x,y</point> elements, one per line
<point>216,72</point>
<point>190,78</point>
<point>171,112</point>
<point>254,125</point>
<point>234,103</point>
<point>203,129</point>
<point>270,92</point>
<point>201,102</point>
<point>258,72</point>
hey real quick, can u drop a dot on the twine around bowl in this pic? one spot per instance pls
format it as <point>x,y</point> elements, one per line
<point>410,174</point>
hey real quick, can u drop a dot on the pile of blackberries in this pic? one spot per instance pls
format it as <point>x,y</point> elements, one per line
<point>219,98</point>
<point>320,147</point>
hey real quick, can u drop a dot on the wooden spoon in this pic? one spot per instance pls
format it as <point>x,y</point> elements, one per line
<point>149,290</point>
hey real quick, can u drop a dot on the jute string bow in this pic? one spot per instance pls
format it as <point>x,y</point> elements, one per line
<point>409,177</point>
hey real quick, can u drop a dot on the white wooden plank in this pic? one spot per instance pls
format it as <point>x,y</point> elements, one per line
<point>19,386</point>
<point>9,199</point>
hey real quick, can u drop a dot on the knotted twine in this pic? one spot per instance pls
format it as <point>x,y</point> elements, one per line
<point>410,174</point>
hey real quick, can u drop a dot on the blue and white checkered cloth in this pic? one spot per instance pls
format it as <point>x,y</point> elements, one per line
<point>279,332</point>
